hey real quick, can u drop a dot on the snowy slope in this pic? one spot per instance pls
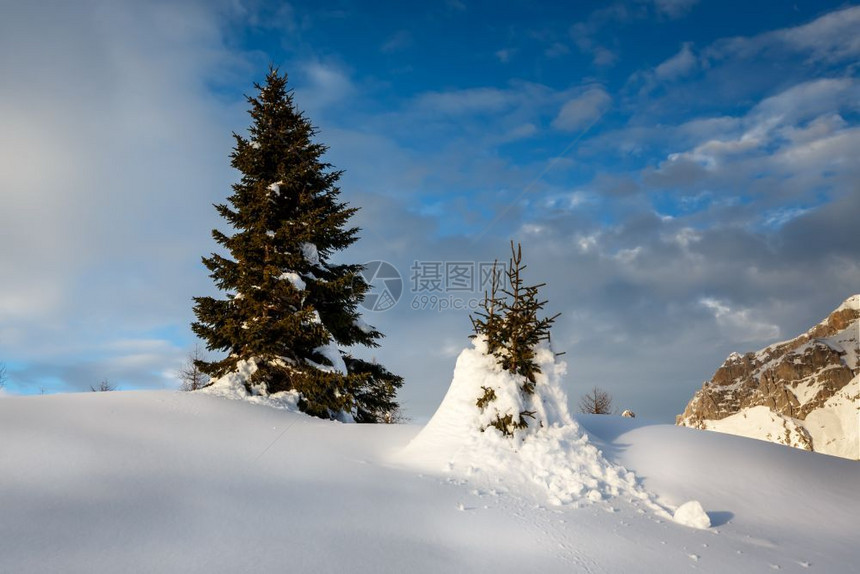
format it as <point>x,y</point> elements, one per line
<point>183,482</point>
<point>800,507</point>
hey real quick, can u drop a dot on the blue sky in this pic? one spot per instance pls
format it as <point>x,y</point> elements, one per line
<point>682,174</point>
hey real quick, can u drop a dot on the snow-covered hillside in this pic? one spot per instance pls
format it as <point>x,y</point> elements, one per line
<point>185,482</point>
<point>803,393</point>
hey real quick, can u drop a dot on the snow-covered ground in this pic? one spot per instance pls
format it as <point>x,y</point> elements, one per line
<point>185,482</point>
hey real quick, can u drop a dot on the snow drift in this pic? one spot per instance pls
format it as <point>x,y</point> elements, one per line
<point>552,456</point>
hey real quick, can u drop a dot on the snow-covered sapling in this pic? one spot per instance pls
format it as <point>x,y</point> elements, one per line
<point>510,324</point>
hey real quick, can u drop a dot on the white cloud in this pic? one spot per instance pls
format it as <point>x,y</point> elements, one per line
<point>810,99</point>
<point>468,101</point>
<point>112,151</point>
<point>400,41</point>
<point>569,200</point>
<point>780,216</point>
<point>822,126</point>
<point>583,110</point>
<point>504,55</point>
<point>584,34</point>
<point>740,325</point>
<point>521,131</point>
<point>795,129</point>
<point>674,8</point>
<point>556,50</point>
<point>679,65</point>
<point>685,237</point>
<point>587,243</point>
<point>830,38</point>
<point>628,255</point>
<point>837,151</point>
<point>712,153</point>
<point>324,84</point>
<point>601,55</point>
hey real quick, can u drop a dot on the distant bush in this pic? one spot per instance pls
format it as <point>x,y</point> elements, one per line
<point>190,374</point>
<point>596,402</point>
<point>103,387</point>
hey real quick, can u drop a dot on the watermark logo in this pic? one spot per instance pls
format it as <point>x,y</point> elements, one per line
<point>432,285</point>
<point>386,286</point>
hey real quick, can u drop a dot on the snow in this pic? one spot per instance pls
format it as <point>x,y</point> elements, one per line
<point>330,352</point>
<point>805,391</point>
<point>692,514</point>
<point>552,457</point>
<point>311,254</point>
<point>852,303</point>
<point>835,426</point>
<point>162,481</point>
<point>761,423</point>
<point>363,325</point>
<point>846,341</point>
<point>233,386</point>
<point>798,504</point>
<point>293,278</point>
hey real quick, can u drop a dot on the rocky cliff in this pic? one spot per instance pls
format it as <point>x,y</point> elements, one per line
<point>803,393</point>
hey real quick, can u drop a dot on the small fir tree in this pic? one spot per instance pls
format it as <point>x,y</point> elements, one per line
<point>510,324</point>
<point>288,310</point>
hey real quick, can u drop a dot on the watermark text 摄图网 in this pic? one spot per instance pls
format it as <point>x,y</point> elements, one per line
<point>432,286</point>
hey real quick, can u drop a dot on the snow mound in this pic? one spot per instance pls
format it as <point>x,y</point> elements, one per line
<point>232,386</point>
<point>693,515</point>
<point>553,456</point>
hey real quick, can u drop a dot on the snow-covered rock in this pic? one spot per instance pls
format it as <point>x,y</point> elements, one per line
<point>803,393</point>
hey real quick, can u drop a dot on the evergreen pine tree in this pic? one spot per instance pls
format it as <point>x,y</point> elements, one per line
<point>287,309</point>
<point>510,324</point>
